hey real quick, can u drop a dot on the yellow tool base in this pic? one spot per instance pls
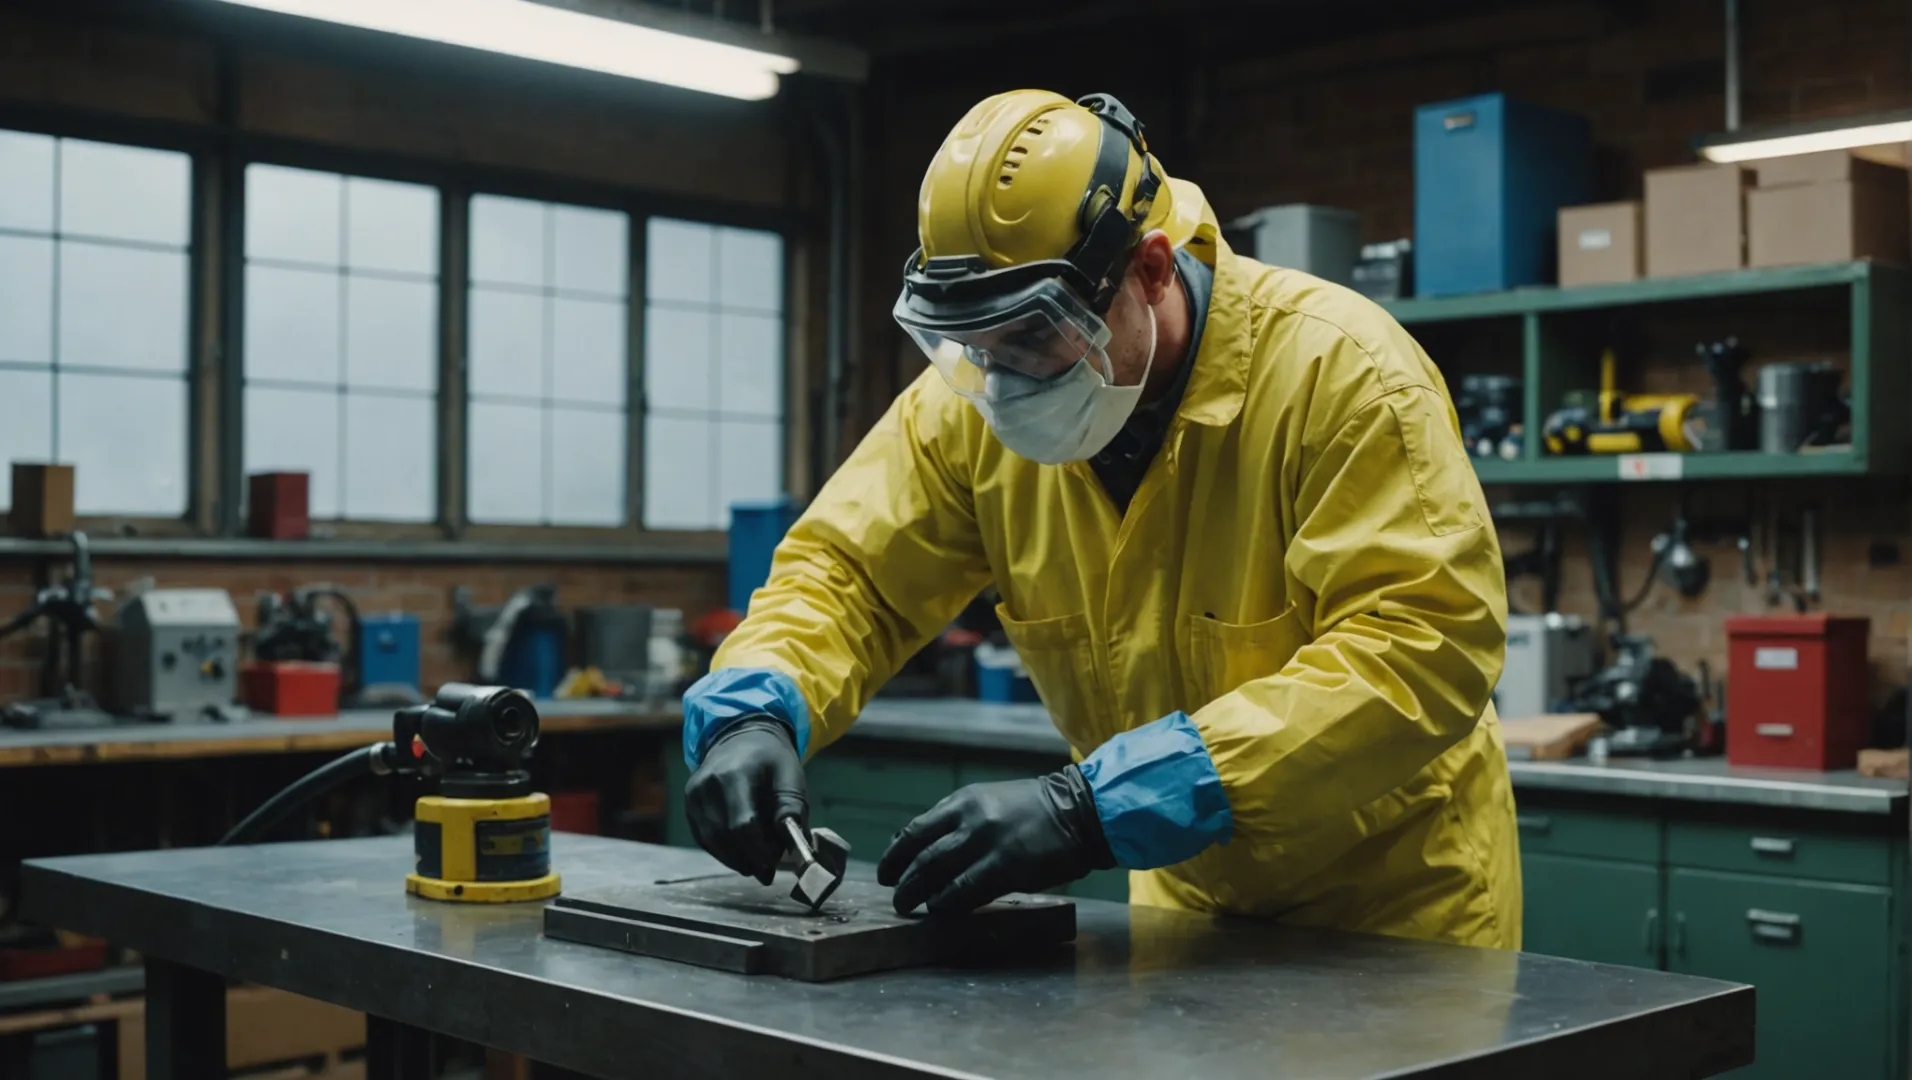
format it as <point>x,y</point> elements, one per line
<point>482,892</point>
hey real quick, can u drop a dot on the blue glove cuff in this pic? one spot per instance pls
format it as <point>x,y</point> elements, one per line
<point>723,697</point>
<point>1158,795</point>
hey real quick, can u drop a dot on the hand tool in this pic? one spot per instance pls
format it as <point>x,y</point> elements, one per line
<point>821,858</point>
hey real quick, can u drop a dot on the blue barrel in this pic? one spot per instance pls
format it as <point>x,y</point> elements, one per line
<point>755,531</point>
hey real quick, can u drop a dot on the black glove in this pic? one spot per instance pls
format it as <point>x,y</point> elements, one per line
<point>990,839</point>
<point>750,779</point>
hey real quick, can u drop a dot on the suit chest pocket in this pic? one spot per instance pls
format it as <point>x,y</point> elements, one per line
<point>1219,657</point>
<point>1060,657</point>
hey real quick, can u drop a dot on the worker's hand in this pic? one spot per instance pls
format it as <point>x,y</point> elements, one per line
<point>990,839</point>
<point>750,779</point>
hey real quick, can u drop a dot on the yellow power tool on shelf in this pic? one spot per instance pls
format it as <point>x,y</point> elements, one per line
<point>1623,424</point>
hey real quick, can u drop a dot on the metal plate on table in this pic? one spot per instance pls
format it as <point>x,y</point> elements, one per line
<point>734,924</point>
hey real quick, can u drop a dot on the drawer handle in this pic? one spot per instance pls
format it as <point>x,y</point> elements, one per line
<point>1533,823</point>
<point>1679,933</point>
<point>1649,943</point>
<point>1773,845</point>
<point>1774,731</point>
<point>1781,927</point>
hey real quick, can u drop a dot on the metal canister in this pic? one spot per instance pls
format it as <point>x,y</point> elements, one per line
<point>1790,404</point>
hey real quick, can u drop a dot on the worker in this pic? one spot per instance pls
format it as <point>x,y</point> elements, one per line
<point>1240,549</point>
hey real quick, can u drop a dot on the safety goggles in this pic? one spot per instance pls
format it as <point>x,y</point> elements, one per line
<point>1041,329</point>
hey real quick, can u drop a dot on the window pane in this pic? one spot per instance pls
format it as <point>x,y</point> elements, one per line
<point>749,463</point>
<point>587,338</point>
<point>126,438</point>
<point>591,248</point>
<point>296,431</point>
<point>679,475</point>
<point>26,422</point>
<point>587,467</point>
<point>292,214</point>
<point>145,292</point>
<point>26,181</point>
<point>677,359</point>
<point>292,325</point>
<point>507,343</point>
<point>391,226</point>
<point>750,265</point>
<point>507,240</point>
<point>391,471</point>
<point>677,260</point>
<point>26,299</point>
<point>124,192</point>
<point>507,464</point>
<point>750,372</point>
<point>391,334</point>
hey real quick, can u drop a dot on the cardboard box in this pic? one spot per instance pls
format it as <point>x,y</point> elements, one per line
<point>1829,221</point>
<point>1599,243</point>
<point>42,503</point>
<point>1829,165</point>
<point>1695,219</point>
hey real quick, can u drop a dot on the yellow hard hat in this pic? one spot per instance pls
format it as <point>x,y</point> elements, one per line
<point>1033,181</point>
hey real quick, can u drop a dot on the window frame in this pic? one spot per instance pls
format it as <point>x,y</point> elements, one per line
<point>215,295</point>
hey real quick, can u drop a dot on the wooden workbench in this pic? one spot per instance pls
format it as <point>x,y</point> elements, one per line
<point>267,735</point>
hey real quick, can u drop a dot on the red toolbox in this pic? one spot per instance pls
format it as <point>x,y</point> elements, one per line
<point>1798,690</point>
<point>291,688</point>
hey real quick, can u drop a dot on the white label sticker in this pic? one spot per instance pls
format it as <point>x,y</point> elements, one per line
<point>1596,239</point>
<point>1776,659</point>
<point>1652,466</point>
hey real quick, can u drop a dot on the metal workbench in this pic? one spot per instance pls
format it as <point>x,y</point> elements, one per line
<point>272,735</point>
<point>1026,729</point>
<point>1143,992</point>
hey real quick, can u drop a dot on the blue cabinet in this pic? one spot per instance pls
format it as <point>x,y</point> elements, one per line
<point>1490,176</point>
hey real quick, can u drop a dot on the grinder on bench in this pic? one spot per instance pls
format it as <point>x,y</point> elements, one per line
<point>486,836</point>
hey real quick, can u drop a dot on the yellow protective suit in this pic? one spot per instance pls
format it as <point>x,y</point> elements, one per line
<point>1307,570</point>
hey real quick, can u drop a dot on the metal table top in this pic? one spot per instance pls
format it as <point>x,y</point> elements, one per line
<point>1713,780</point>
<point>1026,729</point>
<point>1143,992</point>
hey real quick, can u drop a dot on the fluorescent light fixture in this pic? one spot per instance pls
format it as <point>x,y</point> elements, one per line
<point>1847,134</point>
<point>556,36</point>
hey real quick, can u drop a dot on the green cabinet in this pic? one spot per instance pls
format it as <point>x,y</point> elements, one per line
<point>1820,955</point>
<point>1592,909</point>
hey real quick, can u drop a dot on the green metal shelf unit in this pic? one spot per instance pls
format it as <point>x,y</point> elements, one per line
<point>1553,362</point>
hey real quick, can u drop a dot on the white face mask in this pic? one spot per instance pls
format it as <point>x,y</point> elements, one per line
<point>1068,417</point>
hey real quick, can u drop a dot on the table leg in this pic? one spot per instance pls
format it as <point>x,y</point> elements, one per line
<point>395,1051</point>
<point>185,1022</point>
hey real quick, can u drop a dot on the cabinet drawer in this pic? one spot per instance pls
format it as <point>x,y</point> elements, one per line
<point>913,783</point>
<point>1819,954</point>
<point>1592,909</point>
<point>1597,834</point>
<point>1789,852</point>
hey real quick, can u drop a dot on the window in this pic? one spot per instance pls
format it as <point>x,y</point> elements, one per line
<point>94,242</point>
<point>549,313</point>
<point>713,372</point>
<point>341,339</point>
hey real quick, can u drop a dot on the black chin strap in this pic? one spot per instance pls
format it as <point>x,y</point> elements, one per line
<point>1108,233</point>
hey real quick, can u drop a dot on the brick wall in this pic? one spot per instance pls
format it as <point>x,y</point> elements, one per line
<point>1257,124</point>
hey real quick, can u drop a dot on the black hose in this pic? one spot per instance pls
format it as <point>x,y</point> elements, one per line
<point>336,773</point>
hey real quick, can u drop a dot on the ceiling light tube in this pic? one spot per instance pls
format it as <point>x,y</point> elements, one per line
<point>556,36</point>
<point>1848,134</point>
